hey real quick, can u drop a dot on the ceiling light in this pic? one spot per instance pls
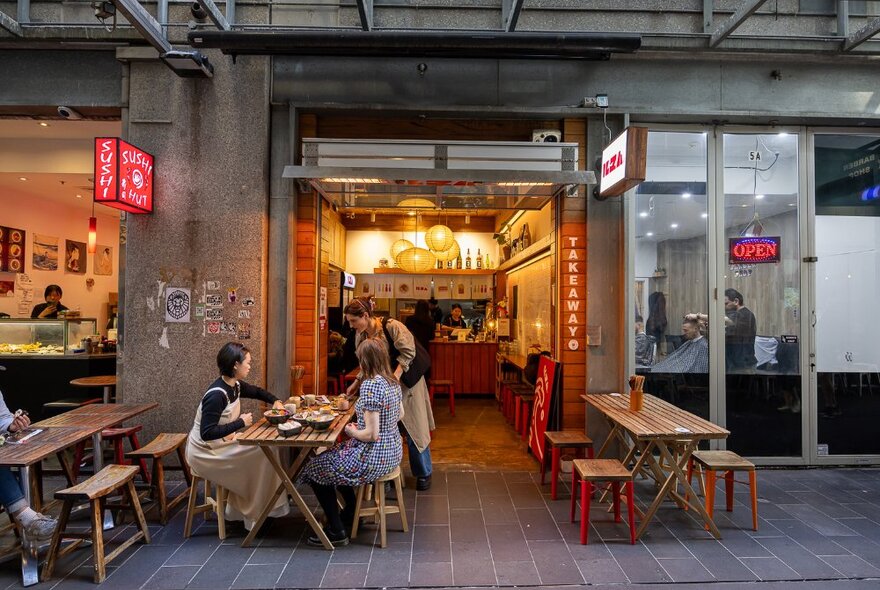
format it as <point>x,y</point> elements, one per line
<point>416,203</point>
<point>399,246</point>
<point>685,195</point>
<point>792,204</point>
<point>416,260</point>
<point>372,217</point>
<point>673,225</point>
<point>43,124</point>
<point>649,234</point>
<point>411,213</point>
<point>744,205</point>
<point>759,197</point>
<point>439,238</point>
<point>704,215</point>
<point>643,214</point>
<point>467,218</point>
<point>79,196</point>
<point>354,180</point>
<point>782,134</point>
<point>450,254</point>
<point>22,178</point>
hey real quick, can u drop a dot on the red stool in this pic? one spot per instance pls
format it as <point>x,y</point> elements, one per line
<point>558,440</point>
<point>332,386</point>
<point>586,471</point>
<point>117,436</point>
<point>514,392</point>
<point>448,387</point>
<point>525,404</point>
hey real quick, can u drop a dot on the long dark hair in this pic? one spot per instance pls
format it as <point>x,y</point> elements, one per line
<point>423,312</point>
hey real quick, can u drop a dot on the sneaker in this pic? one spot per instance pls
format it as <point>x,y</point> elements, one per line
<point>336,539</point>
<point>41,528</point>
<point>796,408</point>
<point>423,483</point>
<point>784,408</point>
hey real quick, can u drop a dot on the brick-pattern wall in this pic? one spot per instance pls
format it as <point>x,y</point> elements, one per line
<point>306,313</point>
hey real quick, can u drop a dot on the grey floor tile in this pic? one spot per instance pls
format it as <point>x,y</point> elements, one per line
<point>139,568</point>
<point>525,495</point>
<point>602,571</point>
<point>508,543</point>
<point>867,550</point>
<point>809,538</point>
<point>194,551</point>
<point>467,526</point>
<point>430,574</point>
<point>171,578</point>
<point>852,566</point>
<point>538,524</point>
<point>769,568</point>
<point>687,569</point>
<point>222,568</point>
<point>491,484</point>
<point>555,563</point>
<point>389,567</point>
<point>258,577</point>
<point>498,510</point>
<point>432,509</point>
<point>824,505</point>
<point>865,527</point>
<point>345,575</point>
<point>638,563</point>
<point>431,543</point>
<point>517,477</point>
<point>472,564</point>
<point>728,569</point>
<point>306,568</point>
<point>517,573</point>
<point>823,524</point>
<point>462,490</point>
<point>270,555</point>
<point>358,550</point>
<point>439,486</point>
<point>798,558</point>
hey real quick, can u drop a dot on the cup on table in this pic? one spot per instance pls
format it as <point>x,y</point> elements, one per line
<point>310,399</point>
<point>291,408</point>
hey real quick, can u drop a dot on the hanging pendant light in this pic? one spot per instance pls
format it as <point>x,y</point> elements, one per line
<point>439,238</point>
<point>399,246</point>
<point>416,260</point>
<point>93,231</point>
<point>450,254</point>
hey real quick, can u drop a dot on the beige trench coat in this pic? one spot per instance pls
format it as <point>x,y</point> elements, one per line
<point>418,419</point>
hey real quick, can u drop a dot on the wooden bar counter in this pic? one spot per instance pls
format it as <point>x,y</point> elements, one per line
<point>470,365</point>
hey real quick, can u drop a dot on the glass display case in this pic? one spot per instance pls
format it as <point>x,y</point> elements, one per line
<point>44,337</point>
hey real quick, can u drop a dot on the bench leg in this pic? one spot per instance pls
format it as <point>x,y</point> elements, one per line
<point>631,512</point>
<point>586,492</point>
<point>359,500</point>
<point>574,492</point>
<point>554,471</point>
<point>710,494</point>
<point>139,514</point>
<point>145,472</point>
<point>753,492</point>
<point>55,545</point>
<point>615,489</point>
<point>191,507</point>
<point>98,541</point>
<point>728,490</point>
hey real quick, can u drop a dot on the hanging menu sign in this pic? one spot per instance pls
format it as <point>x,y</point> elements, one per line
<point>123,176</point>
<point>574,308</point>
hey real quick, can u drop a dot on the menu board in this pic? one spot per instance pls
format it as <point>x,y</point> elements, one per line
<point>421,287</point>
<point>365,286</point>
<point>11,249</point>
<point>384,286</point>
<point>403,286</point>
<point>461,288</point>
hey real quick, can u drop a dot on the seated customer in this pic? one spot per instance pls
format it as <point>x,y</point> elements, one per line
<point>49,310</point>
<point>693,354</point>
<point>38,526</point>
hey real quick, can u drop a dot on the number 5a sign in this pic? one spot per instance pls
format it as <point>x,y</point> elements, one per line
<point>624,162</point>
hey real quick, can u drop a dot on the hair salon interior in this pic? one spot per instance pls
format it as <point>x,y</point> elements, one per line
<point>763,133</point>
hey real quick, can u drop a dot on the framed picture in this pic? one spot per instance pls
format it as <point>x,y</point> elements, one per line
<point>103,260</point>
<point>45,252</point>
<point>75,257</point>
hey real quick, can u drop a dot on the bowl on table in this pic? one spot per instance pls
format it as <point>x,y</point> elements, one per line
<point>291,428</point>
<point>321,421</point>
<point>274,416</point>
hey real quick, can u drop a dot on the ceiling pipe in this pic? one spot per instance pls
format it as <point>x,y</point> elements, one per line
<point>437,44</point>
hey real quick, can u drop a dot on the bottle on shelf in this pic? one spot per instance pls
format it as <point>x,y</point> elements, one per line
<point>450,263</point>
<point>488,262</point>
<point>479,260</point>
<point>467,260</point>
<point>439,264</point>
<point>458,262</point>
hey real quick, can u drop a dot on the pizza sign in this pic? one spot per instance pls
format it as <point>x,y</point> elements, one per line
<point>123,175</point>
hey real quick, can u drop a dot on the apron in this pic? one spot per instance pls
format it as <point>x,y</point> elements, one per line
<point>242,470</point>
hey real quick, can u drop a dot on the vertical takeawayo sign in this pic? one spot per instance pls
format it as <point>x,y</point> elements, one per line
<point>123,176</point>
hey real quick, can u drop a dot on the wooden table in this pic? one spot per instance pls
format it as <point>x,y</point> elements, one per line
<point>267,438</point>
<point>59,433</point>
<point>662,427</point>
<point>108,382</point>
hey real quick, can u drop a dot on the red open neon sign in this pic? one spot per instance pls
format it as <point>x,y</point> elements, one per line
<point>755,250</point>
<point>123,175</point>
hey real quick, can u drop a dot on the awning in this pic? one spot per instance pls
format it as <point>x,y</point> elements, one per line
<point>382,174</point>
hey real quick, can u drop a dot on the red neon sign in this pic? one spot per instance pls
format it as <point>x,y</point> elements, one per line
<point>755,250</point>
<point>123,175</point>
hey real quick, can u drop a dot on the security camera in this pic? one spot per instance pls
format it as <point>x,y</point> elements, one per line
<point>69,113</point>
<point>198,12</point>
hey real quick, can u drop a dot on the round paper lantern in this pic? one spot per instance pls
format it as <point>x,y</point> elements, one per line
<point>450,254</point>
<point>399,246</point>
<point>416,203</point>
<point>439,238</point>
<point>416,260</point>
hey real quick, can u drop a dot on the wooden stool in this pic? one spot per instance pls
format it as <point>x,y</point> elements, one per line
<point>449,388</point>
<point>514,391</point>
<point>95,490</point>
<point>217,505</point>
<point>729,462</point>
<point>519,417</point>
<point>558,440</point>
<point>65,405</point>
<point>117,437</point>
<point>605,470</point>
<point>157,449</point>
<point>504,390</point>
<point>525,409</point>
<point>380,508</point>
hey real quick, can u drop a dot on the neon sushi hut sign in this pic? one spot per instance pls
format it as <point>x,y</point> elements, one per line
<point>123,176</point>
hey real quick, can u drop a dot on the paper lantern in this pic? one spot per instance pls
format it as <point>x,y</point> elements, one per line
<point>416,203</point>
<point>416,260</point>
<point>399,246</point>
<point>450,254</point>
<point>439,238</point>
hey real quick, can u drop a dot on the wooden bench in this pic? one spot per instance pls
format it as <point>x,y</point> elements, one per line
<point>558,440</point>
<point>729,462</point>
<point>158,448</point>
<point>380,509</point>
<point>95,490</point>
<point>448,386</point>
<point>116,436</point>
<point>587,471</point>
<point>215,504</point>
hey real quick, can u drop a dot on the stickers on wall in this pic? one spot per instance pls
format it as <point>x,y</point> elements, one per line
<point>200,311</point>
<point>213,327</point>
<point>248,302</point>
<point>213,285</point>
<point>244,330</point>
<point>214,301</point>
<point>232,294</point>
<point>421,287</point>
<point>213,313</point>
<point>244,314</point>
<point>177,304</point>
<point>228,328</point>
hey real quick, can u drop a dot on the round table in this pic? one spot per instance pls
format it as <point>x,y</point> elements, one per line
<point>108,382</point>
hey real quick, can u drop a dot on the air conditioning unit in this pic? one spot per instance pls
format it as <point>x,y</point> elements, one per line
<point>546,136</point>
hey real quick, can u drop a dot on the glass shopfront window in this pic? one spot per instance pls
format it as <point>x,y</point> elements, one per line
<point>670,319</point>
<point>847,244</point>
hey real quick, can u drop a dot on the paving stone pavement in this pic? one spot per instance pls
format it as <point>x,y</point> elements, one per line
<point>495,529</point>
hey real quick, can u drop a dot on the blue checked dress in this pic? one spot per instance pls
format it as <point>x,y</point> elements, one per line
<point>352,462</point>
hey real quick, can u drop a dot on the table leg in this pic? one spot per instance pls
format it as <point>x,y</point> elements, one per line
<point>107,390</point>
<point>682,478</point>
<point>310,518</point>
<point>98,460</point>
<point>30,573</point>
<point>294,469</point>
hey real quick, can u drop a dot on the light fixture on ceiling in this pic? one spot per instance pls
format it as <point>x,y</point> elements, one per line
<point>643,214</point>
<point>450,254</point>
<point>673,225</point>
<point>22,178</point>
<point>439,238</point>
<point>399,246</point>
<point>372,217</point>
<point>79,196</point>
<point>416,203</point>
<point>509,225</point>
<point>467,218</point>
<point>685,195</point>
<point>759,197</point>
<point>704,215</point>
<point>649,234</point>
<point>43,124</point>
<point>93,232</point>
<point>416,260</point>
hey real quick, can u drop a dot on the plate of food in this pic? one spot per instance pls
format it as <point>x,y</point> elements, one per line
<point>15,236</point>
<point>15,250</point>
<point>276,416</point>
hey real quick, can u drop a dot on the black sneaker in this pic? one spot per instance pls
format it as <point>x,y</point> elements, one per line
<point>390,491</point>
<point>336,539</point>
<point>423,483</point>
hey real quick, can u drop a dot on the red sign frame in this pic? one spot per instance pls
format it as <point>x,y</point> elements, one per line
<point>755,250</point>
<point>123,176</point>
<point>544,390</point>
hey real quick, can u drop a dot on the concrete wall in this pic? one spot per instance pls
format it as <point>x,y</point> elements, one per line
<point>210,141</point>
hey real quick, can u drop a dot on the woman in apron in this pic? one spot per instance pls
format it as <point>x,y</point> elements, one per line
<point>214,454</point>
